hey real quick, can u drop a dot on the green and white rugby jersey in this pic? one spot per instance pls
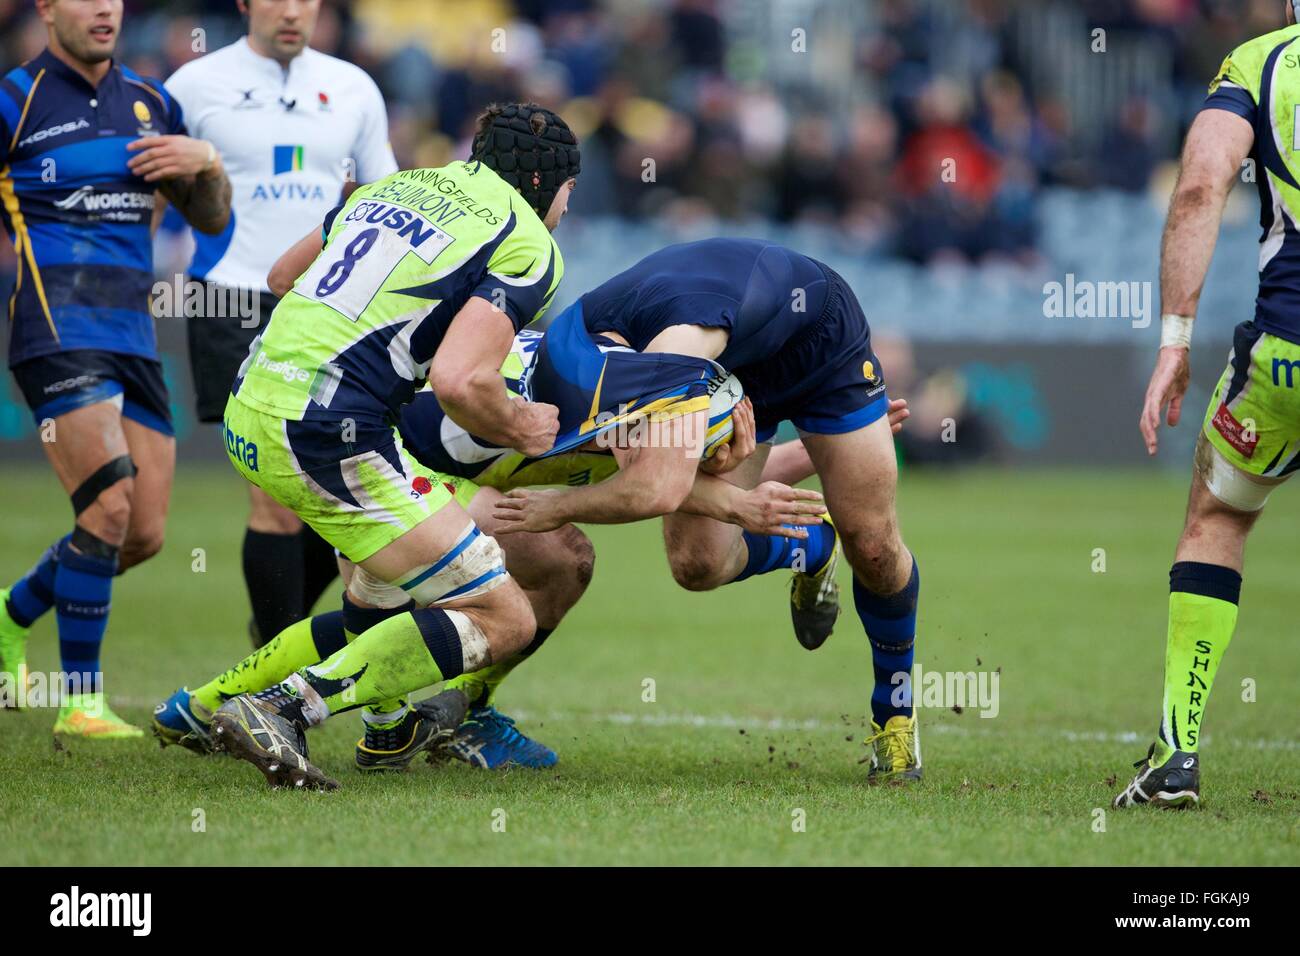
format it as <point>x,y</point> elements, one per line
<point>1260,82</point>
<point>355,337</point>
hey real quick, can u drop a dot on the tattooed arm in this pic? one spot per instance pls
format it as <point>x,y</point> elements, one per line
<point>189,174</point>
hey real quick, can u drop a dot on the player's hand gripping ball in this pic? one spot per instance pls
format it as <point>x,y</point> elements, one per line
<point>725,396</point>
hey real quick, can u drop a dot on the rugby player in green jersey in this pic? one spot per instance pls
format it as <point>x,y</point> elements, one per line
<point>424,275</point>
<point>1249,441</point>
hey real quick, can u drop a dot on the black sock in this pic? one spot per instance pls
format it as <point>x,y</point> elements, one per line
<point>273,573</point>
<point>539,638</point>
<point>319,567</point>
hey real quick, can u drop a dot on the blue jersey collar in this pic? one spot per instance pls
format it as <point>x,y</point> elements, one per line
<point>52,64</point>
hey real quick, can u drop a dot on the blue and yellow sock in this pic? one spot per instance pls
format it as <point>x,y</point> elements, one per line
<point>890,623</point>
<point>770,552</point>
<point>83,588</point>
<point>33,595</point>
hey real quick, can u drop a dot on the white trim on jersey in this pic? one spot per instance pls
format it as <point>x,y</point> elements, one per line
<point>289,140</point>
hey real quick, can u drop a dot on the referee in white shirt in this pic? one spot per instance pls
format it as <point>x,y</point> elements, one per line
<point>296,130</point>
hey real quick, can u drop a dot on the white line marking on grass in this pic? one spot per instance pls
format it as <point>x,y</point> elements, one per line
<point>730,722</point>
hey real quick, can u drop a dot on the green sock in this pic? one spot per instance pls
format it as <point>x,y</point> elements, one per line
<point>298,645</point>
<point>481,685</point>
<point>401,654</point>
<point>356,621</point>
<point>1202,615</point>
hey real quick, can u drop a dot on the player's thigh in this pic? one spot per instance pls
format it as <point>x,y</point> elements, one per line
<point>706,542</point>
<point>84,442</point>
<point>399,522</point>
<point>154,454</point>
<point>858,470</point>
<point>76,400</point>
<point>859,475</point>
<point>268,516</point>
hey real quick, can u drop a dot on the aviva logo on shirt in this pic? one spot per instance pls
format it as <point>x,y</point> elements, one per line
<point>288,159</point>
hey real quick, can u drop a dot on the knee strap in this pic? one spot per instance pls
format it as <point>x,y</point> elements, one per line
<point>1230,485</point>
<point>105,477</point>
<point>86,543</point>
<point>474,565</point>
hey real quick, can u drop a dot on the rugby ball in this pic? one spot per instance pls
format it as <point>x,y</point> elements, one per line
<point>724,395</point>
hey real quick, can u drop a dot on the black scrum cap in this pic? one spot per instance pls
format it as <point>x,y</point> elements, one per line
<point>529,147</point>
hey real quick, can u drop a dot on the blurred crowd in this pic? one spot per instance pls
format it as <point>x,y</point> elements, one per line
<point>913,128</point>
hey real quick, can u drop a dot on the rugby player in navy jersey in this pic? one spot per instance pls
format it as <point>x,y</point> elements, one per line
<point>792,331</point>
<point>84,144</point>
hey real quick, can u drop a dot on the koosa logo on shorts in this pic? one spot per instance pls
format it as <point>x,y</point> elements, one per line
<point>81,381</point>
<point>74,909</point>
<point>284,368</point>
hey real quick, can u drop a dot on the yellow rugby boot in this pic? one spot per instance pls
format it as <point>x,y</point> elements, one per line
<point>895,750</point>
<point>89,716</point>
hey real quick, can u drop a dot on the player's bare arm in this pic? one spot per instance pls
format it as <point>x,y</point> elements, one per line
<point>466,376</point>
<point>770,508</point>
<point>293,263</point>
<point>189,175</point>
<point>654,477</point>
<point>1217,145</point>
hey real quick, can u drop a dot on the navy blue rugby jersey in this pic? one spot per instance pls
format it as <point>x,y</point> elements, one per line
<point>79,219</point>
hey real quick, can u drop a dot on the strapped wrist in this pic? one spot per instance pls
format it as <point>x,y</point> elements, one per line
<point>212,159</point>
<point>1176,330</point>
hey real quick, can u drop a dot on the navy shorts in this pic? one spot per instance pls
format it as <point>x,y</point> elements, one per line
<point>825,380</point>
<point>62,382</point>
<point>218,346</point>
<point>420,426</point>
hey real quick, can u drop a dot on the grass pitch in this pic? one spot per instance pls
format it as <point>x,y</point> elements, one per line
<point>746,728</point>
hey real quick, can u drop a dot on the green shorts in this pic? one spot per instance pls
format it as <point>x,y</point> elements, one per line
<point>514,470</point>
<point>360,503</point>
<point>1254,417</point>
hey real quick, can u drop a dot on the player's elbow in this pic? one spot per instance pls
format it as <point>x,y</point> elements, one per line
<point>665,496</point>
<point>449,384</point>
<point>1204,181</point>
<point>280,280</point>
<point>213,225</point>
<point>454,383</point>
<point>1198,191</point>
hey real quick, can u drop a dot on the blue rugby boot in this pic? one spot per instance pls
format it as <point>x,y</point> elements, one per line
<point>488,740</point>
<point>180,721</point>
